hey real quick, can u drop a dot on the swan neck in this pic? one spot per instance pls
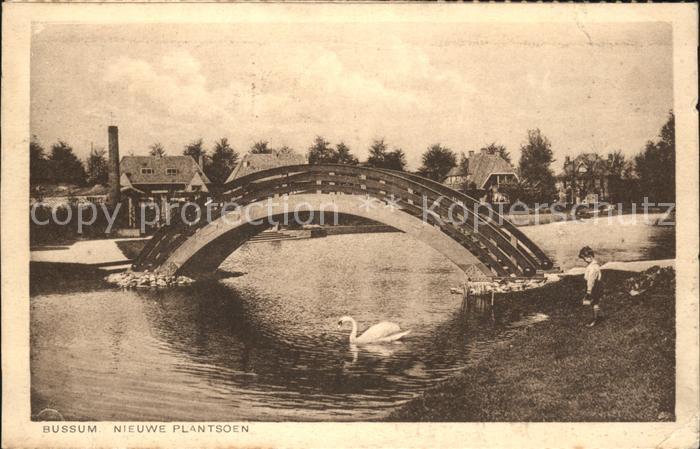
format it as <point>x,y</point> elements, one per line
<point>353,332</point>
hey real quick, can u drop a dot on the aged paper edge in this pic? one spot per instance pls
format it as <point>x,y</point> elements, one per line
<point>20,432</point>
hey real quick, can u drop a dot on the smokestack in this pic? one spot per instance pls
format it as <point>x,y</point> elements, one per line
<point>201,161</point>
<point>113,166</point>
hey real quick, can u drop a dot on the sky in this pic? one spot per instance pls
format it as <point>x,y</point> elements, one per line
<point>588,87</point>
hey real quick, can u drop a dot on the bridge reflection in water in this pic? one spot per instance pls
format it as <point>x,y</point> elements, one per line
<point>478,241</point>
<point>263,346</point>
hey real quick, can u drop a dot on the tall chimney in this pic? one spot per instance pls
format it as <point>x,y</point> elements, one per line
<point>113,166</point>
<point>200,161</point>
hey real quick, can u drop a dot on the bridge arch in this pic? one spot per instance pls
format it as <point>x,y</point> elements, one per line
<point>451,222</point>
<point>210,245</point>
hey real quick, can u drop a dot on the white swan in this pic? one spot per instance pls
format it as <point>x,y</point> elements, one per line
<point>383,332</point>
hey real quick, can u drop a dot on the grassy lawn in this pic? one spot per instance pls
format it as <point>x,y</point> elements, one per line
<point>131,248</point>
<point>623,369</point>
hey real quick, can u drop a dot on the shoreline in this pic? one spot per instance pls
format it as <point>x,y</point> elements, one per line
<point>623,369</point>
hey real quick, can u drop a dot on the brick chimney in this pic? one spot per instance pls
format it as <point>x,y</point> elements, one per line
<point>113,166</point>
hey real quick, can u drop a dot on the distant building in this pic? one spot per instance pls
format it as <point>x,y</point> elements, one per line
<point>485,173</point>
<point>146,181</point>
<point>585,179</point>
<point>157,176</point>
<point>251,163</point>
<point>456,179</point>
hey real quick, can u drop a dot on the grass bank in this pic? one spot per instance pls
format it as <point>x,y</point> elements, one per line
<point>131,248</point>
<point>51,277</point>
<point>623,369</point>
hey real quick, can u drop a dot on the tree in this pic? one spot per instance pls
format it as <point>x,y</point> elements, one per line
<point>344,156</point>
<point>64,165</point>
<point>156,149</point>
<point>38,163</point>
<point>260,147</point>
<point>97,171</point>
<point>284,149</point>
<point>656,165</point>
<point>437,162</point>
<point>395,160</point>
<point>377,153</point>
<point>223,160</point>
<point>617,164</point>
<point>500,150</point>
<point>195,149</point>
<point>321,152</point>
<point>519,190</point>
<point>535,161</point>
<point>381,157</point>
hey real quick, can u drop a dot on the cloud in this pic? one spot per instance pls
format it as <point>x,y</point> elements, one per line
<point>175,87</point>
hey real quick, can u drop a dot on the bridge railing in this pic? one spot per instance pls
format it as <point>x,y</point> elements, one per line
<point>515,235</point>
<point>404,185</point>
<point>496,243</point>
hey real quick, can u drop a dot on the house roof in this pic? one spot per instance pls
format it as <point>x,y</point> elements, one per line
<point>585,162</point>
<point>186,167</point>
<point>251,163</point>
<point>455,171</point>
<point>483,165</point>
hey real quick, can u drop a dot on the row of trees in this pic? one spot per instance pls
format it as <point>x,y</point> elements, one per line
<point>322,152</point>
<point>652,171</point>
<point>60,165</point>
<point>655,166</point>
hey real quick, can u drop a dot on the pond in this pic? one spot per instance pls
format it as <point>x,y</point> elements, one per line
<point>266,345</point>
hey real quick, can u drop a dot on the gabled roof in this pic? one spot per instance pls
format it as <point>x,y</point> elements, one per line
<point>251,163</point>
<point>186,168</point>
<point>583,163</point>
<point>483,165</point>
<point>455,171</point>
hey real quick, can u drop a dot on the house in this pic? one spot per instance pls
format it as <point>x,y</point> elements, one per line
<point>162,175</point>
<point>456,179</point>
<point>251,163</point>
<point>586,179</point>
<point>485,173</point>
<point>149,180</point>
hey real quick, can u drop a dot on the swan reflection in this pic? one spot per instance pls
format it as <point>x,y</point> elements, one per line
<point>376,350</point>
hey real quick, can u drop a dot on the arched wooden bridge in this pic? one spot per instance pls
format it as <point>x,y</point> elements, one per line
<point>475,238</point>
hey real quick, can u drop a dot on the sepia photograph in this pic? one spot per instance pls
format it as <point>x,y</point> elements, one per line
<point>305,215</point>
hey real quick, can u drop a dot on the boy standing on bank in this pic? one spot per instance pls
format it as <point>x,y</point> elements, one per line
<point>594,286</point>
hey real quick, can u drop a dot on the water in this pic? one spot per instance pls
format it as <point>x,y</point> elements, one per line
<point>266,345</point>
<point>619,238</point>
